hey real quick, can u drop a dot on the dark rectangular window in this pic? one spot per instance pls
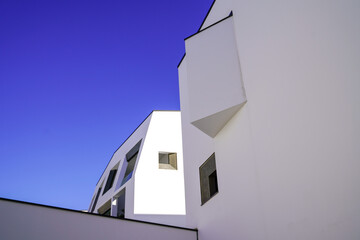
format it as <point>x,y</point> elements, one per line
<point>110,180</point>
<point>130,166</point>
<point>96,199</point>
<point>208,179</point>
<point>120,204</point>
<point>213,183</point>
<point>131,157</point>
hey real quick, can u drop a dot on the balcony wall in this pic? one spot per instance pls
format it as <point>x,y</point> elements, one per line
<point>20,220</point>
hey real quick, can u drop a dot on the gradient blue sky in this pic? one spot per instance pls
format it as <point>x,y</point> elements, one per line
<point>76,78</point>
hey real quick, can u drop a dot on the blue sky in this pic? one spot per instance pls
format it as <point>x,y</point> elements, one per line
<point>76,78</point>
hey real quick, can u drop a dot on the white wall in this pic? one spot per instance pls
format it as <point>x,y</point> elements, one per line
<point>152,194</point>
<point>288,162</point>
<point>204,90</point>
<point>197,147</point>
<point>159,193</point>
<point>31,222</point>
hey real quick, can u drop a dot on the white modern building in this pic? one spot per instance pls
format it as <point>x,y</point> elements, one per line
<point>270,109</point>
<point>144,179</point>
<point>267,145</point>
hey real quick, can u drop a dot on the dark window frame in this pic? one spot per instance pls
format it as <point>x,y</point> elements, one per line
<point>96,199</point>
<point>208,180</point>
<point>110,180</point>
<point>131,159</point>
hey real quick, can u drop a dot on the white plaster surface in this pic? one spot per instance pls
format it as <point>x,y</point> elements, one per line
<point>23,221</point>
<point>288,162</point>
<point>161,191</point>
<point>152,194</point>
<point>197,146</point>
<point>215,93</point>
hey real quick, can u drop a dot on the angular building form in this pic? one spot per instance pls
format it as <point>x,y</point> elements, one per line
<point>266,146</point>
<point>144,179</point>
<point>269,93</point>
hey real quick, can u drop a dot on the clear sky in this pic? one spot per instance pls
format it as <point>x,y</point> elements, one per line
<point>76,78</point>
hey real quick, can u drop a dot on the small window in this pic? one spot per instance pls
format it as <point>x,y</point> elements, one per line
<point>96,199</point>
<point>208,179</point>
<point>111,178</point>
<point>213,183</point>
<point>120,204</point>
<point>131,157</point>
<point>130,167</point>
<point>167,160</point>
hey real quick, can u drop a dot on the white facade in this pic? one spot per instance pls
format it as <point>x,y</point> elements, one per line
<point>273,91</point>
<point>153,191</point>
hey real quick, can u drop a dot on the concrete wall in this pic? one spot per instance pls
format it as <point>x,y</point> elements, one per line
<point>288,162</point>
<point>34,222</point>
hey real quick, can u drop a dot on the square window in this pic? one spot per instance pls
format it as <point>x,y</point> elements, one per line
<point>167,160</point>
<point>208,179</point>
